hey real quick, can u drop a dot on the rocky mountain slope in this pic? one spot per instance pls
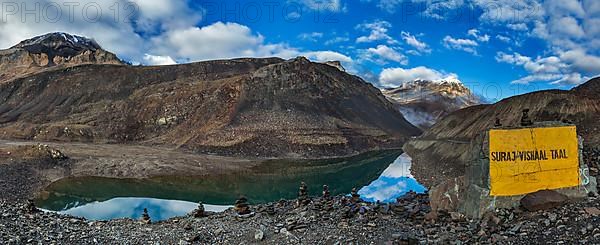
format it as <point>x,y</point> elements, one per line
<point>441,152</point>
<point>247,107</point>
<point>425,102</point>
<point>53,50</point>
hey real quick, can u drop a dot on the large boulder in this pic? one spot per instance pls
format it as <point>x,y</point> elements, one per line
<point>543,200</point>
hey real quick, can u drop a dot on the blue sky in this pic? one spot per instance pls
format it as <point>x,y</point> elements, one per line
<point>498,48</point>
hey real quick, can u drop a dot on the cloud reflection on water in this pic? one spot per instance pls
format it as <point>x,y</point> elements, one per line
<point>133,207</point>
<point>394,182</point>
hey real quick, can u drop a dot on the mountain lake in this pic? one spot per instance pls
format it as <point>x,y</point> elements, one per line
<point>379,176</point>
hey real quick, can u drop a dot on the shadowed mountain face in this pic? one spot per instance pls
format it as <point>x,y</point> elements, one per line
<point>51,51</point>
<point>443,146</point>
<point>247,107</point>
<point>423,103</point>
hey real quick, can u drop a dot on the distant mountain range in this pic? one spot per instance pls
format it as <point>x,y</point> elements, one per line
<point>61,87</point>
<point>424,102</point>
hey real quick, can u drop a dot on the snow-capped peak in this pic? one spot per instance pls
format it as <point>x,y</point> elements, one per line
<point>423,102</point>
<point>449,82</point>
<point>57,39</point>
<point>60,48</point>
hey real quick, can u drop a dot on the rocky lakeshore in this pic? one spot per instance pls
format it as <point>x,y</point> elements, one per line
<point>307,220</point>
<point>285,222</point>
<point>28,167</point>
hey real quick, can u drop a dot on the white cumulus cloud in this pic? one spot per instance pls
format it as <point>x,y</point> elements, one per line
<point>557,70</point>
<point>313,36</point>
<point>378,30</point>
<point>323,56</point>
<point>477,35</point>
<point>383,54</point>
<point>467,45</point>
<point>394,77</point>
<point>412,41</point>
<point>158,60</point>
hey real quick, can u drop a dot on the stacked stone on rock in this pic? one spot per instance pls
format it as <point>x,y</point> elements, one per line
<point>200,211</point>
<point>328,205</point>
<point>355,197</point>
<point>270,210</point>
<point>317,205</point>
<point>30,207</point>
<point>303,195</point>
<point>242,207</point>
<point>326,193</point>
<point>146,217</point>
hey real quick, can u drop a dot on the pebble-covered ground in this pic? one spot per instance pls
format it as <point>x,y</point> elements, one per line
<point>288,223</point>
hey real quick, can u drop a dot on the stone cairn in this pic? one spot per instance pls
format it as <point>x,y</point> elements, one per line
<point>326,193</point>
<point>355,197</point>
<point>146,217</point>
<point>351,206</point>
<point>525,120</point>
<point>303,195</point>
<point>242,207</point>
<point>200,211</point>
<point>30,207</point>
<point>328,201</point>
<point>270,209</point>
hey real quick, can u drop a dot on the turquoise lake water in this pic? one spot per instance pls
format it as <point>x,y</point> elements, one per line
<point>379,176</point>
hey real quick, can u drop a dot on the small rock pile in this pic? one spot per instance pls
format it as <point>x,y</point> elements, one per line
<point>326,193</point>
<point>303,199</point>
<point>241,206</point>
<point>355,197</point>
<point>31,208</point>
<point>146,217</point>
<point>200,211</point>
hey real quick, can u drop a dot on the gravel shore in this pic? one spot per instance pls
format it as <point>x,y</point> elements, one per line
<point>399,223</point>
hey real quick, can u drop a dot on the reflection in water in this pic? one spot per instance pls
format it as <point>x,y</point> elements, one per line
<point>103,198</point>
<point>118,208</point>
<point>394,182</point>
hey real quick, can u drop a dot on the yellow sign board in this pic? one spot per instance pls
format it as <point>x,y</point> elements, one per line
<point>523,161</point>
